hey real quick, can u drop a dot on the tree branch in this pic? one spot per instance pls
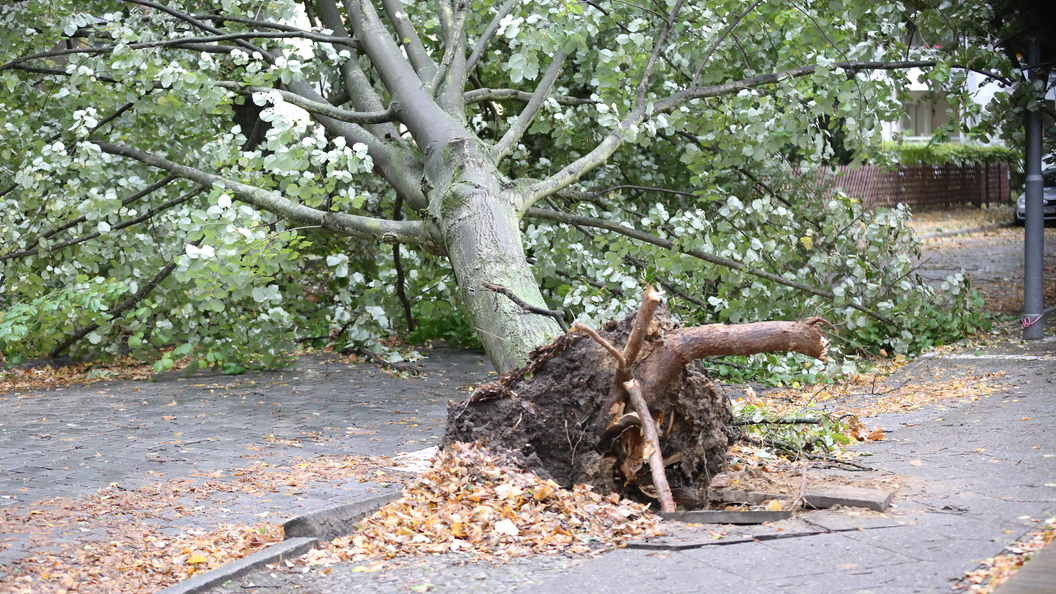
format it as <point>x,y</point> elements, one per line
<point>29,249</point>
<point>430,125</point>
<point>356,84</point>
<point>455,45</point>
<point>117,311</point>
<point>642,236</point>
<point>658,47</point>
<point>58,72</point>
<point>197,43</point>
<point>489,34</point>
<point>416,232</point>
<point>621,363</point>
<point>222,18</point>
<point>575,170</point>
<point>512,136</point>
<point>676,100</point>
<point>478,95</point>
<point>123,225</point>
<point>319,107</point>
<point>558,316</point>
<point>714,45</point>
<point>397,263</point>
<point>408,38</point>
<point>396,164</point>
<point>188,18</point>
<point>656,457</point>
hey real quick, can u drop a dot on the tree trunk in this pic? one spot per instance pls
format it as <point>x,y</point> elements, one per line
<point>558,416</point>
<point>476,211</point>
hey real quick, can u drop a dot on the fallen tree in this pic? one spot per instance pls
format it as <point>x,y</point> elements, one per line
<point>226,181</point>
<point>584,410</point>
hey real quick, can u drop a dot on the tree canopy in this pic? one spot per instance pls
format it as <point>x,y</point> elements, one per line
<point>224,179</point>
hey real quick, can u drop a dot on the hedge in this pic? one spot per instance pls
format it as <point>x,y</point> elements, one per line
<point>945,153</point>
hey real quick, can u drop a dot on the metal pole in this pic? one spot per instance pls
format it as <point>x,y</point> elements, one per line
<point>1034,232</point>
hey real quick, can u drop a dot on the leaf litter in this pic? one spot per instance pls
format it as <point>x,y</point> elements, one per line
<point>998,569</point>
<point>114,540</point>
<point>479,503</point>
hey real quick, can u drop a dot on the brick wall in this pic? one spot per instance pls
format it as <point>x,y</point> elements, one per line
<point>941,185</point>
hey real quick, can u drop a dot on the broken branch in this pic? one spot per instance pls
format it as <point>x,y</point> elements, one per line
<point>650,301</point>
<point>557,315</point>
<point>656,457</point>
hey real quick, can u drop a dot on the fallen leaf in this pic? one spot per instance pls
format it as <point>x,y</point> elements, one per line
<point>876,435</point>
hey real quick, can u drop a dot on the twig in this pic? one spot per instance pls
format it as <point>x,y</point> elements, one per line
<point>397,262</point>
<point>558,316</point>
<point>616,354</point>
<point>656,457</point>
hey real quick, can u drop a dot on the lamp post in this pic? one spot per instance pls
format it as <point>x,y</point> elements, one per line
<point>1034,229</point>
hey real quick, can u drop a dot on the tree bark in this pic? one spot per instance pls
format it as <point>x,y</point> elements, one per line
<point>476,211</point>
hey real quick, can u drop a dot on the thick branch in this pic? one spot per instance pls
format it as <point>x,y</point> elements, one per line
<point>420,59</point>
<point>358,87</point>
<point>430,125</point>
<point>319,107</point>
<point>416,232</point>
<point>396,164</point>
<point>656,457</point>
<point>524,120</point>
<point>571,219</point>
<point>650,301</point>
<point>489,34</point>
<point>688,344</point>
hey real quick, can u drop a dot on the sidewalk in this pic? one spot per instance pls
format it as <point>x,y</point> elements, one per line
<point>977,475</point>
<point>171,461</point>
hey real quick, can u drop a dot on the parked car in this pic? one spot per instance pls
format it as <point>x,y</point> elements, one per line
<point>1048,199</point>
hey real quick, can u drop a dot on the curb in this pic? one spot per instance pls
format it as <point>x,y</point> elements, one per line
<point>302,533</point>
<point>286,549</point>
<point>1035,577</point>
<point>331,522</point>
